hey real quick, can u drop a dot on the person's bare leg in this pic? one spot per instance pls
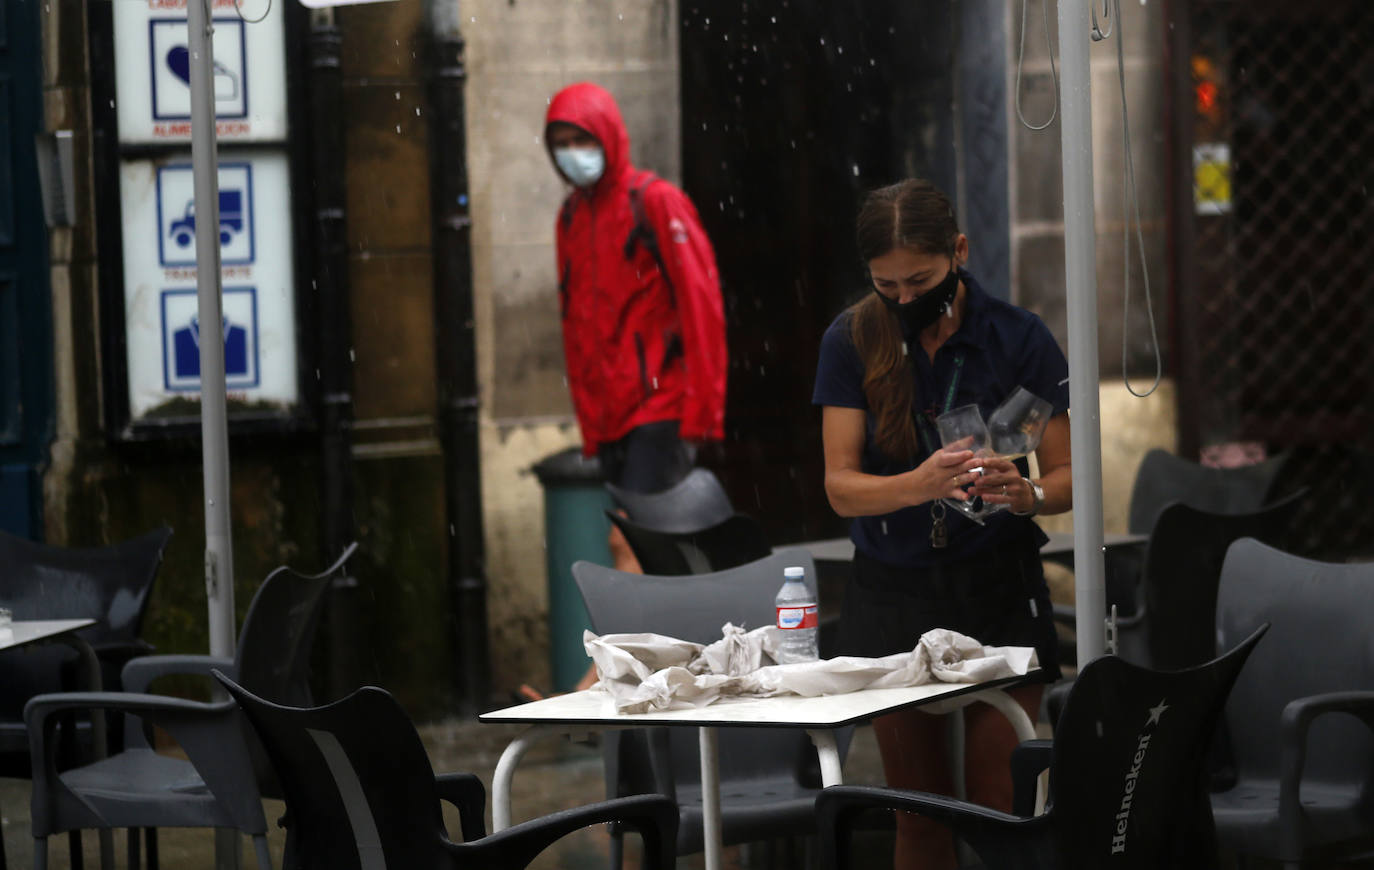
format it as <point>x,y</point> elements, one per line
<point>622,557</point>
<point>989,740</point>
<point>915,757</point>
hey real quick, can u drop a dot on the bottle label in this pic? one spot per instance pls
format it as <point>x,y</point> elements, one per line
<point>798,617</point>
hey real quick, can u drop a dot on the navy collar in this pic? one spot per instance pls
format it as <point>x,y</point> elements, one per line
<point>974,324</point>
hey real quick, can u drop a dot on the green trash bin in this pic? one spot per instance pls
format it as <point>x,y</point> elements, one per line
<point>575,528</point>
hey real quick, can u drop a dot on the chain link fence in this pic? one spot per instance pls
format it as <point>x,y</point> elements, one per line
<point>1274,254</point>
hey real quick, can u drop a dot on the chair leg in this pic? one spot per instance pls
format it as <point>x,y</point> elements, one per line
<point>150,846</point>
<point>40,853</point>
<point>617,849</point>
<point>74,843</point>
<point>264,856</point>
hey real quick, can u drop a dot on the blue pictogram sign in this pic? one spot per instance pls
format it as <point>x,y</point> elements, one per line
<point>182,334</point>
<point>176,214</point>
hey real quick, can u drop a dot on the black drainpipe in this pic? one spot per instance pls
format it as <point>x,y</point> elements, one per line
<point>334,324</point>
<point>456,357</point>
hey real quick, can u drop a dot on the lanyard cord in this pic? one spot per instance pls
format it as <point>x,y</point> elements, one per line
<point>923,423</point>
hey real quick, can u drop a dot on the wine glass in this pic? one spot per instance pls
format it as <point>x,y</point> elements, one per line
<point>1016,426</point>
<point>963,428</point>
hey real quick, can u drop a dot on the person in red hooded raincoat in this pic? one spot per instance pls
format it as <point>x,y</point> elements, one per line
<point>639,295</point>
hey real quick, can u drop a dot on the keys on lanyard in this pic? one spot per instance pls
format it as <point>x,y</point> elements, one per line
<point>939,534</point>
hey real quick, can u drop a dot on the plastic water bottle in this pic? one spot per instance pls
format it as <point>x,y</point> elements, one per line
<point>798,617</point>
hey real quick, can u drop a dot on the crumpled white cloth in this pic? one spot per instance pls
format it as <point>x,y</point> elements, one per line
<point>651,672</point>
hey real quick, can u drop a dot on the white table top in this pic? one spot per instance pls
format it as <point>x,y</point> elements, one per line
<point>25,631</point>
<point>595,707</point>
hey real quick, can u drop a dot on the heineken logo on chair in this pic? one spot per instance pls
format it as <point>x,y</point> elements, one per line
<point>1123,815</point>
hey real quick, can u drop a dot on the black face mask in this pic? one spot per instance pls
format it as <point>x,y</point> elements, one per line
<point>925,309</point>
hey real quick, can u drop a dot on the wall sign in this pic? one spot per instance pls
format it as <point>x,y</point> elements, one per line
<point>160,310</point>
<point>153,71</point>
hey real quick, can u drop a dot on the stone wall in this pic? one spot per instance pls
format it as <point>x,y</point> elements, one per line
<point>519,54</point>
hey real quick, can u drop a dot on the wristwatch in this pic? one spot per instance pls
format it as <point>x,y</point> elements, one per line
<point>1037,499</point>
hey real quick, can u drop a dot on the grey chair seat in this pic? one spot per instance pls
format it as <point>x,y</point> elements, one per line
<point>133,786</point>
<point>1247,816</point>
<point>776,803</point>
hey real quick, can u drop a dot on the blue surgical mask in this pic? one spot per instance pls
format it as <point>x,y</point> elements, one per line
<point>582,166</point>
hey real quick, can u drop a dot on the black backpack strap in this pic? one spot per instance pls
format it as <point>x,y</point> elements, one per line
<point>642,233</point>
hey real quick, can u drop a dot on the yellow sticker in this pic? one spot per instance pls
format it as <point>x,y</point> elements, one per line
<point>1212,178</point>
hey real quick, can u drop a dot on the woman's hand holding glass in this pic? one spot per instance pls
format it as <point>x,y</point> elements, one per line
<point>945,474</point>
<point>1001,485</point>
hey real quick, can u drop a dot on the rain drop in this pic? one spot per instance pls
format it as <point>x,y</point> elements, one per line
<point>822,40</point>
<point>856,170</point>
<point>398,128</point>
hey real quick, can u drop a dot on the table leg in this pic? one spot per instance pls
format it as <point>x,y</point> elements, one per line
<point>505,772</point>
<point>710,797</point>
<point>1024,727</point>
<point>1007,706</point>
<point>824,741</point>
<point>94,683</point>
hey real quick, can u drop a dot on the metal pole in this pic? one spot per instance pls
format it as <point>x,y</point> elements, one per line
<point>334,328</point>
<point>214,416</point>
<point>456,353</point>
<point>214,425</point>
<point>1080,265</point>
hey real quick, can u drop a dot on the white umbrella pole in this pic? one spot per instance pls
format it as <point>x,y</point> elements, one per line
<point>1080,261</point>
<point>214,427</point>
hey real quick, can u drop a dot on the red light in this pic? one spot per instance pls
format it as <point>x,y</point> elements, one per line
<point>1206,97</point>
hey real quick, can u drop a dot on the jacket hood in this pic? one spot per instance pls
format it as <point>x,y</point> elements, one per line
<point>592,108</point>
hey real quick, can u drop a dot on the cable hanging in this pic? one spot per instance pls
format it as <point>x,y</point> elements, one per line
<point>1020,58</point>
<point>1130,207</point>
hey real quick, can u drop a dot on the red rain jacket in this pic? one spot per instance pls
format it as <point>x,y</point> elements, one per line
<point>640,346</point>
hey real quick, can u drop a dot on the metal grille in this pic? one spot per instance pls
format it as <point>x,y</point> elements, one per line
<point>1276,249</point>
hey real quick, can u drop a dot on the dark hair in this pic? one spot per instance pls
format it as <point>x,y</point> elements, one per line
<point>910,214</point>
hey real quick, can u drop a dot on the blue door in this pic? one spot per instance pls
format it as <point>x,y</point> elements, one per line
<point>26,389</point>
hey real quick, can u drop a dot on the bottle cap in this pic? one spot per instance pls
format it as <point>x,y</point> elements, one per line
<point>794,573</point>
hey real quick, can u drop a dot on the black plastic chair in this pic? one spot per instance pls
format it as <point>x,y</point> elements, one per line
<point>735,541</point>
<point>1172,623</point>
<point>768,777</point>
<point>696,502</point>
<point>1304,779</point>
<point>1164,478</point>
<point>1126,779</point>
<point>361,794</point>
<point>222,783</point>
<point>109,584</point>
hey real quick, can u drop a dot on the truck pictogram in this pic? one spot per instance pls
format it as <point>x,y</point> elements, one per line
<point>183,229</point>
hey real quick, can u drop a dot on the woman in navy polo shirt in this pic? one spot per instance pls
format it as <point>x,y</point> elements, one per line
<point>929,339</point>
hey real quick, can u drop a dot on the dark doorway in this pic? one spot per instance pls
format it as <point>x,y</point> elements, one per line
<point>25,310</point>
<point>792,110</point>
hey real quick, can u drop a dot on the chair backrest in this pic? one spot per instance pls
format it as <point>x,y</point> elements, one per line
<point>694,607</point>
<point>273,655</point>
<point>1319,643</point>
<point>736,541</point>
<point>1181,571</point>
<point>1127,769</point>
<point>1164,478</point>
<point>691,607</point>
<point>109,584</point>
<point>359,787</point>
<point>693,503</point>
